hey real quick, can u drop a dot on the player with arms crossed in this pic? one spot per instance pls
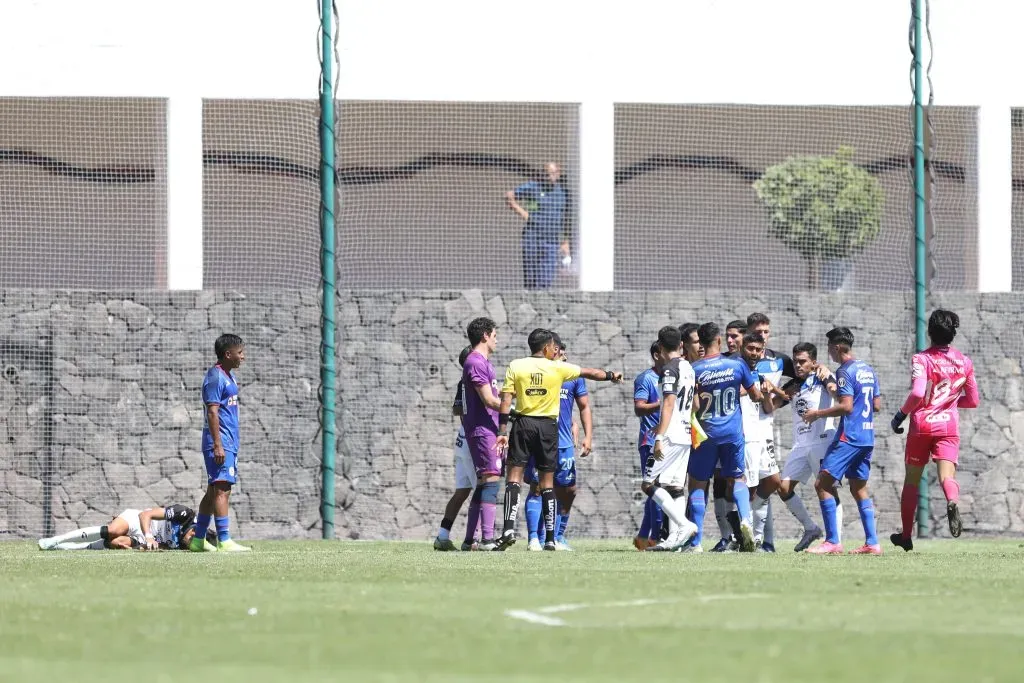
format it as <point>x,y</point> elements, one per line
<point>665,471</point>
<point>465,473</point>
<point>480,420</point>
<point>813,389</point>
<point>849,454</point>
<point>220,444</point>
<point>942,381</point>
<point>161,528</point>
<point>536,382</point>
<point>719,380</point>
<point>647,407</point>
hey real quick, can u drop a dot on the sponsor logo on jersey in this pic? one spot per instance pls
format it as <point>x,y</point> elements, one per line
<point>865,376</point>
<point>709,376</point>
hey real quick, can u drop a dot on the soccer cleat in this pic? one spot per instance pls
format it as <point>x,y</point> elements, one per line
<point>444,545</point>
<point>690,548</point>
<point>230,546</point>
<point>562,545</point>
<point>867,550</point>
<point>901,541</point>
<point>201,545</point>
<point>534,545</point>
<point>506,540</point>
<point>956,525</point>
<point>638,543</point>
<point>809,537</point>
<point>723,546</point>
<point>767,547</point>
<point>46,544</point>
<point>468,546</point>
<point>550,546</point>
<point>826,548</point>
<point>746,537</point>
<point>485,545</point>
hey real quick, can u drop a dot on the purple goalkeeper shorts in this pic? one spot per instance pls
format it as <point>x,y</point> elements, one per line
<point>485,455</point>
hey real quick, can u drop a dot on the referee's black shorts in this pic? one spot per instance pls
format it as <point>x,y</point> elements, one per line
<point>534,437</point>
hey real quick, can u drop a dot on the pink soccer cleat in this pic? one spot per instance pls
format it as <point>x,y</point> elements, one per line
<point>826,548</point>
<point>867,550</point>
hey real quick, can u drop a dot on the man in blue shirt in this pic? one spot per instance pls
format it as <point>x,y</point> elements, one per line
<point>859,398</point>
<point>544,213</point>
<point>719,380</point>
<point>220,444</point>
<point>647,407</point>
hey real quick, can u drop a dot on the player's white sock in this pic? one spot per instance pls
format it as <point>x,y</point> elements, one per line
<point>676,512</point>
<point>769,524</point>
<point>80,545</point>
<point>721,510</point>
<point>88,534</point>
<point>759,510</point>
<point>796,506</point>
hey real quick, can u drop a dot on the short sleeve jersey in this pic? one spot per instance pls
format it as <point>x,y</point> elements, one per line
<point>168,531</point>
<point>571,390</point>
<point>812,394</point>
<point>859,380</point>
<point>221,390</point>
<point>537,385</point>
<point>645,388</point>
<point>477,417</point>
<point>946,372</point>
<point>677,379</point>
<point>718,385</point>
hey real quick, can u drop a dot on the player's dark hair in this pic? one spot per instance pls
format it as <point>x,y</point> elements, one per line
<point>182,545</point>
<point>753,338</point>
<point>478,329</point>
<point>669,338</point>
<point>737,325</point>
<point>655,347</point>
<point>840,336</point>
<point>942,326</point>
<point>806,347</point>
<point>757,319</point>
<point>708,333</point>
<point>686,329</point>
<point>558,341</point>
<point>464,354</point>
<point>539,338</point>
<point>225,343</point>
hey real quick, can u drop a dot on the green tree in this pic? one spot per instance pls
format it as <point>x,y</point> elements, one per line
<point>824,207</point>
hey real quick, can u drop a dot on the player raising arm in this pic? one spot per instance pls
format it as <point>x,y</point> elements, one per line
<point>942,381</point>
<point>850,453</point>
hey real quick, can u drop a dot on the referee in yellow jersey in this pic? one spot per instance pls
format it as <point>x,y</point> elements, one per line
<point>536,382</point>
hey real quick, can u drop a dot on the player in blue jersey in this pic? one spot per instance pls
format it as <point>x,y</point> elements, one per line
<point>859,398</point>
<point>220,444</point>
<point>719,380</point>
<point>573,393</point>
<point>646,406</point>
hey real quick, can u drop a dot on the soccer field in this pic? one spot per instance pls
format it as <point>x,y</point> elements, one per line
<point>353,611</point>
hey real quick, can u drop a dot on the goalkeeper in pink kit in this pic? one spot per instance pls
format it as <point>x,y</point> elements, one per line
<point>943,381</point>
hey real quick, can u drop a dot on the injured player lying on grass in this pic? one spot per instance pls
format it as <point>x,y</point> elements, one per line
<point>159,528</point>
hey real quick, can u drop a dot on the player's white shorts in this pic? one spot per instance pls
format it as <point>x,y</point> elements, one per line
<point>134,526</point>
<point>760,462</point>
<point>804,461</point>
<point>671,469</point>
<point>465,471</point>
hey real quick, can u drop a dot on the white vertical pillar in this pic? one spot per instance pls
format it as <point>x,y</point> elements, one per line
<point>597,196</point>
<point>185,192</point>
<point>995,199</point>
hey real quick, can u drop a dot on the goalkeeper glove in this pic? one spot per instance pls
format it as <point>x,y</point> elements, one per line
<point>897,421</point>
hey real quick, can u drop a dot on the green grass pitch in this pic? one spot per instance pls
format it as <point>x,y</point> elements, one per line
<point>952,611</point>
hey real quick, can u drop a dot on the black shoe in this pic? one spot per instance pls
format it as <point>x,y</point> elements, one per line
<point>767,547</point>
<point>901,541</point>
<point>956,525</point>
<point>506,540</point>
<point>550,545</point>
<point>722,546</point>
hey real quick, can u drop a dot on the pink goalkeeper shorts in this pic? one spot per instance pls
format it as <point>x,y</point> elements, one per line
<point>921,448</point>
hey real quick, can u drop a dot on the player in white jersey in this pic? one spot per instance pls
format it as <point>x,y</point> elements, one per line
<point>665,473</point>
<point>161,528</point>
<point>465,472</point>
<point>762,470</point>
<point>814,388</point>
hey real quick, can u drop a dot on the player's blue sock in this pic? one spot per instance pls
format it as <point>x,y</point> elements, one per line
<point>562,522</point>
<point>867,518</point>
<point>202,525</point>
<point>742,495</point>
<point>533,515</point>
<point>698,506</point>
<point>645,523</point>
<point>657,520</point>
<point>828,514</point>
<point>223,524</point>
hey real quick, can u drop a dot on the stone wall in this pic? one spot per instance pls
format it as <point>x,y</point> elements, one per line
<point>106,414</point>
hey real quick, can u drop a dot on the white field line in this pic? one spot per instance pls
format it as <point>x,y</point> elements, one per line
<point>540,614</point>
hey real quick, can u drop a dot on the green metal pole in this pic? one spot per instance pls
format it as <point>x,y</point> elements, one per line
<point>920,216</point>
<point>327,268</point>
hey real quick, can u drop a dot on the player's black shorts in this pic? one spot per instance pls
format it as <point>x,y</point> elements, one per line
<point>535,437</point>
